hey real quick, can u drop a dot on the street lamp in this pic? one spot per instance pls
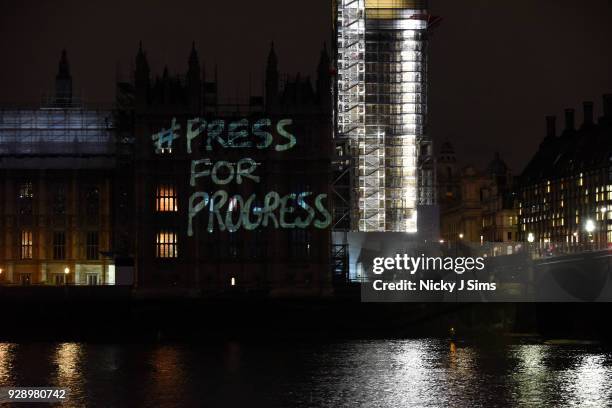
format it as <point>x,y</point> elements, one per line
<point>589,226</point>
<point>531,240</point>
<point>66,270</point>
<point>460,236</point>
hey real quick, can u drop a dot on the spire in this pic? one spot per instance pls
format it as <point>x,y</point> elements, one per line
<point>141,78</point>
<point>272,60</point>
<point>193,57</point>
<point>142,65</point>
<point>271,79</point>
<point>63,82</point>
<point>193,74</point>
<point>64,67</point>
<point>194,83</point>
<point>324,61</point>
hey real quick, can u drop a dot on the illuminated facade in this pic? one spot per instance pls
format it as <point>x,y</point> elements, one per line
<point>58,170</point>
<point>381,107</point>
<point>217,247</point>
<point>565,195</point>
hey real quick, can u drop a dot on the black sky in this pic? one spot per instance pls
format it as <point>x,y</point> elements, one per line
<point>496,68</point>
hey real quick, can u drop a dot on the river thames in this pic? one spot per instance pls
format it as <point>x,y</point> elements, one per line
<point>351,373</point>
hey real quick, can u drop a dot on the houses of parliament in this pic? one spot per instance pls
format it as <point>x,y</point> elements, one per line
<point>90,198</point>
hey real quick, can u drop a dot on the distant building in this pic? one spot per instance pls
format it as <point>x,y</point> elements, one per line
<point>58,165</point>
<point>565,192</point>
<point>477,207</point>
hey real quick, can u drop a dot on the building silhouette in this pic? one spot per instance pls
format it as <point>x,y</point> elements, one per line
<point>214,255</point>
<point>565,192</point>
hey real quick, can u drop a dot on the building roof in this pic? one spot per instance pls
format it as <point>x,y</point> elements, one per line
<point>573,152</point>
<point>55,132</point>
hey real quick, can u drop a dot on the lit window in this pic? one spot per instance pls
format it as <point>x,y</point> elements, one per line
<point>166,198</point>
<point>26,244</point>
<point>166,245</point>
<point>59,245</point>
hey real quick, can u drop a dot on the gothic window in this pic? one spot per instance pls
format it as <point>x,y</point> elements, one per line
<point>166,245</point>
<point>26,244</point>
<point>166,198</point>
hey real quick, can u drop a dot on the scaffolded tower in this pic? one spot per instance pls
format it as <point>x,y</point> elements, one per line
<point>381,110</point>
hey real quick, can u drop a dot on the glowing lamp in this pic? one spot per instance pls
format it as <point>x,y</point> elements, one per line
<point>589,226</point>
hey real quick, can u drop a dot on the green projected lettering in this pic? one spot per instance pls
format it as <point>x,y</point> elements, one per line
<point>231,212</point>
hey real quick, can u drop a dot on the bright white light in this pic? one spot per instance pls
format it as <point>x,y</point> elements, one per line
<point>233,281</point>
<point>530,238</point>
<point>589,226</point>
<point>66,270</point>
<point>111,275</point>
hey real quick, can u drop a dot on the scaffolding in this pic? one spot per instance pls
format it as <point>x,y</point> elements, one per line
<point>55,132</point>
<point>381,110</point>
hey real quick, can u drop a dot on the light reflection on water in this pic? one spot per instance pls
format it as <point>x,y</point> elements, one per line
<point>377,373</point>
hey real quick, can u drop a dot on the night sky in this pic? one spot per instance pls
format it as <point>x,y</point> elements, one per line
<point>496,68</point>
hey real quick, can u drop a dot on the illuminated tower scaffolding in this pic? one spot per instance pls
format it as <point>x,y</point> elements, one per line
<point>381,110</point>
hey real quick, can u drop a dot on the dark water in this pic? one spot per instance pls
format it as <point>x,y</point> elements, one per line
<point>381,373</point>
